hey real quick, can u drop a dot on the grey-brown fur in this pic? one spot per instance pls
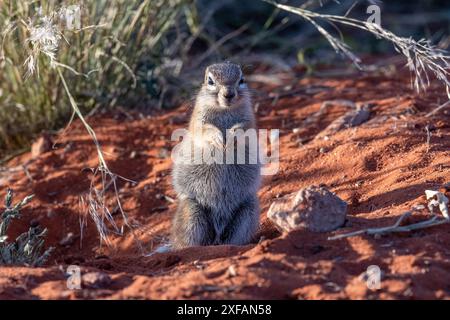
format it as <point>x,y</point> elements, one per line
<point>217,202</point>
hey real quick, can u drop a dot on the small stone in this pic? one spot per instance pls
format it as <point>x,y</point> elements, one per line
<point>313,208</point>
<point>68,240</point>
<point>358,183</point>
<point>333,286</point>
<point>408,292</point>
<point>232,271</point>
<point>352,118</point>
<point>96,280</point>
<point>41,145</point>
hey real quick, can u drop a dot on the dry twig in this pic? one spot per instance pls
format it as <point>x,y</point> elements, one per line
<point>395,227</point>
<point>435,198</point>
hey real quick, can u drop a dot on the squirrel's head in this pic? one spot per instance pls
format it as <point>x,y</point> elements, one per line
<point>224,82</point>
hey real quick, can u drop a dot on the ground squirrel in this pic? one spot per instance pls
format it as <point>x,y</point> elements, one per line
<point>217,202</point>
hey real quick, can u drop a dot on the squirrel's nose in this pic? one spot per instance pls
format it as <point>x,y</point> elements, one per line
<point>229,95</point>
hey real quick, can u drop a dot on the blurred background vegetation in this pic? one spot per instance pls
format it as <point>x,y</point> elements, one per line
<point>147,54</point>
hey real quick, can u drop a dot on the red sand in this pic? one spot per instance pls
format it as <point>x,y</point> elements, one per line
<point>381,168</point>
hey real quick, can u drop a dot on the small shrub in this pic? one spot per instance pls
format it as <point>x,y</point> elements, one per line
<point>27,249</point>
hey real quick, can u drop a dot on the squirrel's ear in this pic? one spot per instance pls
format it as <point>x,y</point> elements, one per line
<point>206,74</point>
<point>209,79</point>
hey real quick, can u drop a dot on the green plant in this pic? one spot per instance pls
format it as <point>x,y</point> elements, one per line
<point>121,53</point>
<point>27,249</point>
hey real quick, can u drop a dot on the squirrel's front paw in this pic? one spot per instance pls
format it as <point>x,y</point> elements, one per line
<point>235,131</point>
<point>213,136</point>
<point>237,127</point>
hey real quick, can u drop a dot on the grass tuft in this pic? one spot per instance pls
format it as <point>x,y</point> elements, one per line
<point>28,248</point>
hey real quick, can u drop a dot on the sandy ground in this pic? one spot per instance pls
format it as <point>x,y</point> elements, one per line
<point>381,168</point>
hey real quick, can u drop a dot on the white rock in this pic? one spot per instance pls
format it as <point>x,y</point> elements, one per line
<point>313,208</point>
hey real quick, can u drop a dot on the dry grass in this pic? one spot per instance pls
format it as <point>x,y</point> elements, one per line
<point>422,58</point>
<point>117,55</point>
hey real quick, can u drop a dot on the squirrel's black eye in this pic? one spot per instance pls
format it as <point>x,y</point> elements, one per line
<point>210,81</point>
<point>241,81</point>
